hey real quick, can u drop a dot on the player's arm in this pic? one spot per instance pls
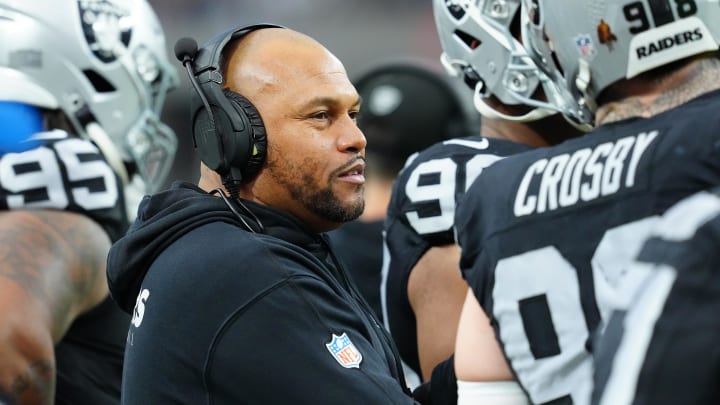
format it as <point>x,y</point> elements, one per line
<point>482,371</point>
<point>436,291</point>
<point>52,268</point>
<point>478,356</point>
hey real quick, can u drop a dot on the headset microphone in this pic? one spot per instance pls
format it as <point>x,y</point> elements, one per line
<point>185,51</point>
<point>227,129</point>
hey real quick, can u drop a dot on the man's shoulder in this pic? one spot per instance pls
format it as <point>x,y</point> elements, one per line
<point>447,169</point>
<point>220,258</point>
<point>226,245</point>
<point>462,148</point>
<point>226,237</point>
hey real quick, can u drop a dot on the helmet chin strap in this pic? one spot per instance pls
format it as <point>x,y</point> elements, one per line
<point>135,188</point>
<point>134,193</point>
<point>582,82</point>
<point>452,67</point>
<point>487,111</point>
<point>101,138</point>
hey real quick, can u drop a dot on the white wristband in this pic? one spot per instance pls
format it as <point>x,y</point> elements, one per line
<point>491,393</point>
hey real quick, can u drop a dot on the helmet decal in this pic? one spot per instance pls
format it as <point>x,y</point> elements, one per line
<point>586,46</point>
<point>457,8</point>
<point>630,38</point>
<point>106,28</point>
<point>605,34</point>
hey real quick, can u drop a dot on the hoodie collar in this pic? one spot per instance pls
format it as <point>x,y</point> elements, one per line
<point>165,217</point>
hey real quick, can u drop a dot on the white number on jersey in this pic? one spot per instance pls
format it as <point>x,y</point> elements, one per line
<point>42,168</point>
<point>536,301</point>
<point>442,191</point>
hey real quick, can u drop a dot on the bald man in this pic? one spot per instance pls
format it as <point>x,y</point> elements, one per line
<point>235,293</point>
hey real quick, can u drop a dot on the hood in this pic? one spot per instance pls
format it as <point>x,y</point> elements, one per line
<point>162,219</point>
<point>165,217</point>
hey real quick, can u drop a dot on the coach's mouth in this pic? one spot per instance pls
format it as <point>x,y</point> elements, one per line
<point>354,174</point>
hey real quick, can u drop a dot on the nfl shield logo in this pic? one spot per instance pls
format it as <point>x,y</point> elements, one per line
<point>344,351</point>
<point>585,45</point>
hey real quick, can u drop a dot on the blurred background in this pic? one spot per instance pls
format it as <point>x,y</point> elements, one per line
<point>362,33</point>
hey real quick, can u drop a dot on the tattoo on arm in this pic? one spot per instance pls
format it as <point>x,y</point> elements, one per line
<point>36,382</point>
<point>52,267</point>
<point>57,258</point>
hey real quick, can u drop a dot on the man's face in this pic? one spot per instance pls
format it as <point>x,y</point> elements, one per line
<point>315,161</point>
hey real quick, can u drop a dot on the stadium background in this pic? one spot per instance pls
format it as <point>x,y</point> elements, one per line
<point>362,33</point>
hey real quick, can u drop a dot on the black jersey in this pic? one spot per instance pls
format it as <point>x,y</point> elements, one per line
<point>421,215</point>
<point>68,173</point>
<point>545,235</point>
<point>359,246</point>
<point>663,348</point>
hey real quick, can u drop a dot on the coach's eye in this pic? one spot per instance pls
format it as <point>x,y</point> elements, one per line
<point>322,115</point>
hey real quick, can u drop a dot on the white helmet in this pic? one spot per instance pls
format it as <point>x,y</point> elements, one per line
<point>104,64</point>
<point>479,47</point>
<point>587,45</point>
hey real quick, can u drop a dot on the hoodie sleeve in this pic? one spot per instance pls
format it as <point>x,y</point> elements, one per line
<point>299,343</point>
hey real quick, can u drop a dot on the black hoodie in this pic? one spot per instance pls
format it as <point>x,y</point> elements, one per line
<point>242,307</point>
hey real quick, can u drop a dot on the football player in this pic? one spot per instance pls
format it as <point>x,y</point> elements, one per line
<point>83,84</point>
<point>422,288</point>
<point>661,349</point>
<point>545,251</point>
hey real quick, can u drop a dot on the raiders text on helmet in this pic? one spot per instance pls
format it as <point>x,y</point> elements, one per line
<point>587,45</point>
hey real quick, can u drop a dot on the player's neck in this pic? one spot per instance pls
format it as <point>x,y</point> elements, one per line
<point>512,131</point>
<point>695,79</point>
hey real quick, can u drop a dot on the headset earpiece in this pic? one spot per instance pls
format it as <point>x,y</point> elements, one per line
<point>253,155</point>
<point>228,131</point>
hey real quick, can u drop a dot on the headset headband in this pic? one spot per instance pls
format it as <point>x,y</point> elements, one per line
<point>208,57</point>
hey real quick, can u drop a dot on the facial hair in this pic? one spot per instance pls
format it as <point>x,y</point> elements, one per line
<point>317,199</point>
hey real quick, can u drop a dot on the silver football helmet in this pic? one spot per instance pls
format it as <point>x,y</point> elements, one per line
<point>587,45</point>
<point>480,48</point>
<point>104,64</point>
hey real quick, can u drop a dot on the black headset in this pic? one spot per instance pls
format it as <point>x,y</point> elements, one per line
<point>227,129</point>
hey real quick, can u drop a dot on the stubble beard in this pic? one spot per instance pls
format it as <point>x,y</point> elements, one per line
<point>321,201</point>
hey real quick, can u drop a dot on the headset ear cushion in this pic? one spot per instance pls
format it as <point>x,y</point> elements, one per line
<point>257,130</point>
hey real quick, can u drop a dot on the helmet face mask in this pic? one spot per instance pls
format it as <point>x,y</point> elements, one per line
<point>480,48</point>
<point>102,63</point>
<point>587,45</point>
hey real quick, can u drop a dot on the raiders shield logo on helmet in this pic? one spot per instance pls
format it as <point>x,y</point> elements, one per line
<point>107,28</point>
